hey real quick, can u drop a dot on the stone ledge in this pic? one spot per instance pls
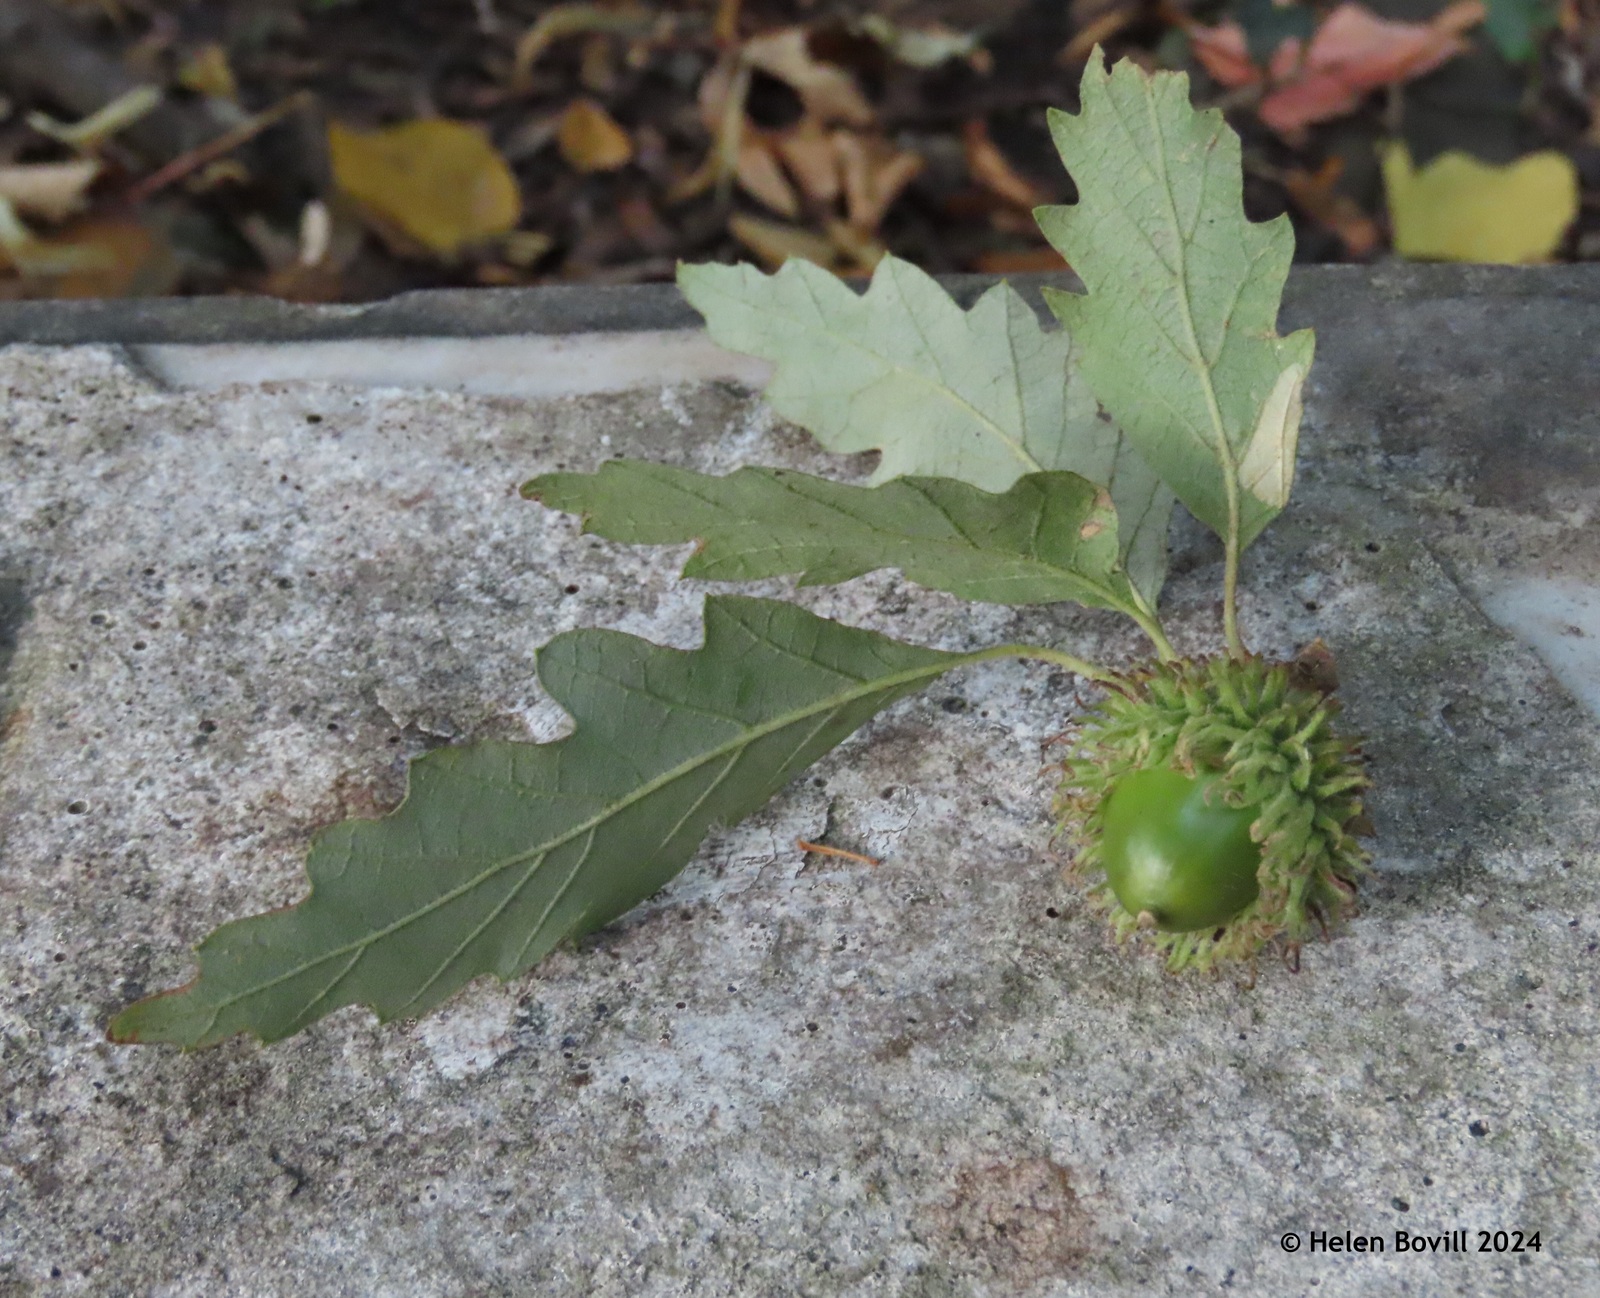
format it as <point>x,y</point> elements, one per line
<point>230,616</point>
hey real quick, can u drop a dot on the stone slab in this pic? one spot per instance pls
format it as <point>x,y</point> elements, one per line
<point>228,617</point>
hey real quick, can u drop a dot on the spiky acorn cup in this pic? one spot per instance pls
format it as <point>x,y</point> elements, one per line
<point>1266,731</point>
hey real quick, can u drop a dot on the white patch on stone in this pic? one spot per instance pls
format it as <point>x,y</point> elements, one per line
<point>1560,621</point>
<point>471,1033</point>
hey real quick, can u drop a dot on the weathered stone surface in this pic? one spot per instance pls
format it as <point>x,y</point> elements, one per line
<point>227,619</point>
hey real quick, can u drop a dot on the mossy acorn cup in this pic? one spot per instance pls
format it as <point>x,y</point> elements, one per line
<point>1219,805</point>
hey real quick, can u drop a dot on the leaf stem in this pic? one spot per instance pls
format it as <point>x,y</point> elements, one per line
<point>1079,666</point>
<point>1230,583</point>
<point>1150,624</point>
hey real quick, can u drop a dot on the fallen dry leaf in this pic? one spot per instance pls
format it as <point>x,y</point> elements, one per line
<point>99,126</point>
<point>807,150</point>
<point>988,167</point>
<point>1459,209</point>
<point>1020,261</point>
<point>875,174</point>
<point>590,139</point>
<point>574,20</point>
<point>1352,53</point>
<point>52,190</point>
<point>829,93</point>
<point>774,243</point>
<point>925,46</point>
<point>1316,194</point>
<point>435,184</point>
<point>760,176</point>
<point>206,71</point>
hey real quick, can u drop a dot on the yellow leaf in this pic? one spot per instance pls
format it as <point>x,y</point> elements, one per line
<point>437,183</point>
<point>1459,209</point>
<point>207,72</point>
<point>590,138</point>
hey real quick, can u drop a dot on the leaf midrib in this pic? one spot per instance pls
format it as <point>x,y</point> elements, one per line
<point>732,746</point>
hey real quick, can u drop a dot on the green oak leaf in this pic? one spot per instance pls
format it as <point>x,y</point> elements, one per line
<point>501,850</point>
<point>984,395</point>
<point>1049,537</point>
<point>1177,334</point>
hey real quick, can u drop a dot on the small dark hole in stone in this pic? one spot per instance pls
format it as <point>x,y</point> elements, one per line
<point>1400,1205</point>
<point>1427,1180</point>
<point>208,727</point>
<point>284,583</point>
<point>811,1027</point>
<point>140,644</point>
<point>149,572</point>
<point>571,588</point>
<point>313,419</point>
<point>683,1005</point>
<point>1478,1128</point>
<point>72,667</point>
<point>1461,1047</point>
<point>61,957</point>
<point>77,807</point>
<point>394,739</point>
<point>283,477</point>
<point>887,793</point>
<point>1373,547</point>
<point>1312,606</point>
<point>954,704</point>
<point>333,725</point>
<point>98,619</point>
<point>1052,912</point>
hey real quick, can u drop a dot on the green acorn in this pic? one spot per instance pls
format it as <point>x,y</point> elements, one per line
<point>1220,806</point>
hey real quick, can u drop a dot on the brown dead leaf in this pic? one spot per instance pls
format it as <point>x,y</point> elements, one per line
<point>988,167</point>
<point>590,138</point>
<point>807,150</point>
<point>829,93</point>
<point>124,259</point>
<point>567,20</point>
<point>861,251</point>
<point>1019,261</point>
<point>875,174</point>
<point>761,177</point>
<point>643,224</point>
<point>774,243</point>
<point>1316,194</point>
<point>52,190</point>
<point>1096,32</point>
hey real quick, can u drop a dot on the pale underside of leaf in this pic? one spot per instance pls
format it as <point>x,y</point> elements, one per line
<point>1177,332</point>
<point>984,395</point>
<point>1049,537</point>
<point>1267,471</point>
<point>501,850</point>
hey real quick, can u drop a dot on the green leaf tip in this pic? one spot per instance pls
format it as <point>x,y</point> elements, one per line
<point>502,850</point>
<point>1177,333</point>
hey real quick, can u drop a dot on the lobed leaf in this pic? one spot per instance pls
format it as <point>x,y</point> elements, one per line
<point>1177,334</point>
<point>501,850</point>
<point>984,395</point>
<point>1051,536</point>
